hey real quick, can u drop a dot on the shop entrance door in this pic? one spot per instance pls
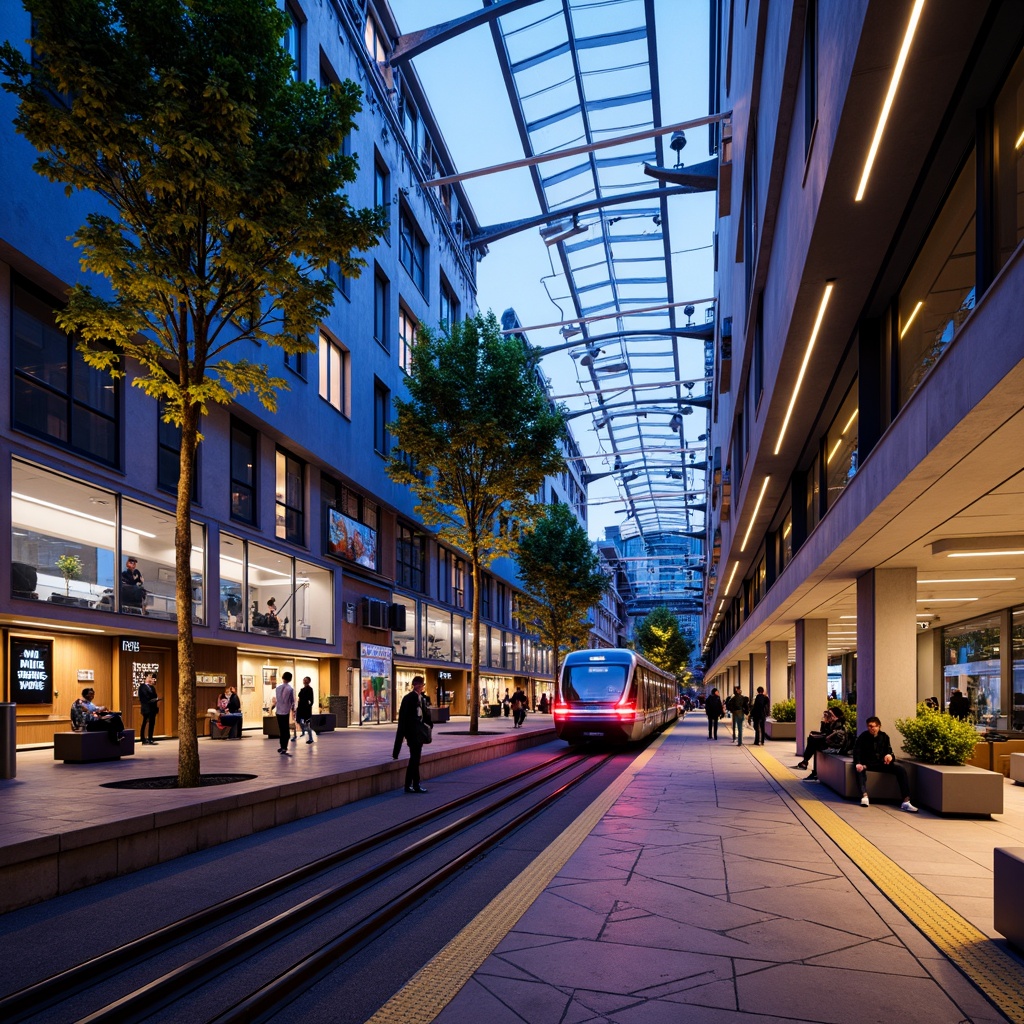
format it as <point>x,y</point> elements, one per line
<point>133,670</point>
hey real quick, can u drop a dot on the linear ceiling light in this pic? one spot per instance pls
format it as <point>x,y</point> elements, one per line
<point>972,579</point>
<point>732,576</point>
<point>753,515</point>
<point>977,547</point>
<point>897,73</point>
<point>906,326</point>
<point>829,285</point>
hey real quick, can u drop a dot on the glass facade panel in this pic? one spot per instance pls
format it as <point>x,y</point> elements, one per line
<point>269,578</point>
<point>54,517</point>
<point>313,603</point>
<point>939,291</point>
<point>1017,688</point>
<point>232,582</point>
<point>439,634</point>
<point>458,638</point>
<point>841,448</point>
<point>1008,165</point>
<point>971,665</point>
<point>405,641</point>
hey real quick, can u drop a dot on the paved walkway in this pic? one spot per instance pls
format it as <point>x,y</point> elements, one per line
<point>715,885</point>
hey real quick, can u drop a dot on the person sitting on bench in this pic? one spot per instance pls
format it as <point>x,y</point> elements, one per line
<point>93,718</point>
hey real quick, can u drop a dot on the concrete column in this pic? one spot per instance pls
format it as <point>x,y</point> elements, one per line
<point>743,677</point>
<point>811,674</point>
<point>758,673</point>
<point>929,666</point>
<point>777,670</point>
<point>887,647</point>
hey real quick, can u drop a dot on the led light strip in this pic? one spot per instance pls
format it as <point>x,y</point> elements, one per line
<point>829,285</point>
<point>897,73</point>
<point>753,517</point>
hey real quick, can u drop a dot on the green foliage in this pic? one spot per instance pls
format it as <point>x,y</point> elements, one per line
<point>218,182</point>
<point>70,567</point>
<point>937,738</point>
<point>562,576</point>
<point>660,640</point>
<point>846,713</point>
<point>475,440</point>
<point>784,711</point>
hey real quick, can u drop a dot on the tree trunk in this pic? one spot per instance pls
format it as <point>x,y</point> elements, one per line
<point>474,671</point>
<point>188,744</point>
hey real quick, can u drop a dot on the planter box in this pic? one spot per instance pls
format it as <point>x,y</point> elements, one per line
<point>438,716</point>
<point>837,772</point>
<point>779,730</point>
<point>1008,885</point>
<point>956,789</point>
<point>324,723</point>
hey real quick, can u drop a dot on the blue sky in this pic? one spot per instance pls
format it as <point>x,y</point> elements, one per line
<point>467,94</point>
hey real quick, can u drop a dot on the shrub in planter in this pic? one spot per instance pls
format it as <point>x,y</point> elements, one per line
<point>936,738</point>
<point>784,711</point>
<point>846,713</point>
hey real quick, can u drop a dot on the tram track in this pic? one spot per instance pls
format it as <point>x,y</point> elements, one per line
<point>73,985</point>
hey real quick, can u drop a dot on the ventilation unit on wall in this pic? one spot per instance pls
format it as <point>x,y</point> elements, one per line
<point>375,613</point>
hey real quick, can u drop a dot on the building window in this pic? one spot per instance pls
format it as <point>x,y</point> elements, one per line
<point>939,291</point>
<point>810,74</point>
<point>244,449</point>
<point>412,251</point>
<point>411,125</point>
<point>841,448</point>
<point>57,395</point>
<point>291,498</point>
<point>444,575</point>
<point>1008,167</point>
<point>293,41</point>
<point>458,582</point>
<point>381,416</point>
<point>406,338</point>
<point>168,455</point>
<point>334,372</point>
<point>380,308</point>
<point>485,597</point>
<point>501,609</point>
<point>382,191</point>
<point>296,362</point>
<point>351,524</point>
<point>410,559</point>
<point>376,42</point>
<point>449,306</point>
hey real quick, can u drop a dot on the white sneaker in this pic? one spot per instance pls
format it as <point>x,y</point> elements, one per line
<point>908,806</point>
<point>864,801</point>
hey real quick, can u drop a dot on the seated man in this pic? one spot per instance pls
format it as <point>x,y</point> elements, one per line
<point>132,588</point>
<point>873,753</point>
<point>819,740</point>
<point>95,718</point>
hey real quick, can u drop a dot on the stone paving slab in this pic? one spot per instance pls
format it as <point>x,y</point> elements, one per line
<point>706,894</point>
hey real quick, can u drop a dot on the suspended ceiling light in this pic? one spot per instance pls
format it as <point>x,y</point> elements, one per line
<point>897,73</point>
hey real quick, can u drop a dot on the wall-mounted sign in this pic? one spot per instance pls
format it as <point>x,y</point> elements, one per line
<point>130,646</point>
<point>375,677</point>
<point>31,670</point>
<point>444,675</point>
<point>86,675</point>
<point>348,539</point>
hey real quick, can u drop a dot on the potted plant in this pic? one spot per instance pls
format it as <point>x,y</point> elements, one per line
<point>782,723</point>
<point>326,721</point>
<point>939,747</point>
<point>70,567</point>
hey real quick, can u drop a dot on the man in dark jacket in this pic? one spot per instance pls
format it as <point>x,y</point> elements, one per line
<point>959,705</point>
<point>714,709</point>
<point>413,720</point>
<point>739,707</point>
<point>873,753</point>
<point>758,713</point>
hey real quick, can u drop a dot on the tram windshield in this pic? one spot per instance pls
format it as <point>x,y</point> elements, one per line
<point>599,682</point>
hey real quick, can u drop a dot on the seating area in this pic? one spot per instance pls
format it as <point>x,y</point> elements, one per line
<point>837,772</point>
<point>90,747</point>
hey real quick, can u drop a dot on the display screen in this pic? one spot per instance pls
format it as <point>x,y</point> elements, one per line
<point>31,668</point>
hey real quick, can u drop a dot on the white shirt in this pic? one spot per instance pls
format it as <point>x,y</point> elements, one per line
<point>284,699</point>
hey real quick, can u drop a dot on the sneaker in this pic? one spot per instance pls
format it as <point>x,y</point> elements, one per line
<point>864,801</point>
<point>813,777</point>
<point>908,806</point>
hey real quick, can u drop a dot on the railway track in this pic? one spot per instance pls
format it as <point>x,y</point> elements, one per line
<point>271,923</point>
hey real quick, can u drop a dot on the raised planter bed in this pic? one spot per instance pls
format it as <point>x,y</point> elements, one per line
<point>779,730</point>
<point>837,772</point>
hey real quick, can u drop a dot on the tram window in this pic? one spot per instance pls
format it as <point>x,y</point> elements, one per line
<point>593,682</point>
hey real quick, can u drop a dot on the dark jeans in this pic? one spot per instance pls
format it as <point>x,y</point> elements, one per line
<point>812,746</point>
<point>892,768</point>
<point>111,725</point>
<point>148,719</point>
<point>412,771</point>
<point>712,728</point>
<point>737,727</point>
<point>284,729</point>
<point>758,730</point>
<point>235,722</point>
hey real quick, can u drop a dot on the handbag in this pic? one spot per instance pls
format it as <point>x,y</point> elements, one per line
<point>425,731</point>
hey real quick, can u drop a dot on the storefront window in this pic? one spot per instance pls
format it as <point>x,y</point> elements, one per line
<point>57,522</point>
<point>232,564</point>
<point>313,603</point>
<point>971,665</point>
<point>147,534</point>
<point>939,291</point>
<point>458,644</point>
<point>1018,670</point>
<point>269,579</point>
<point>405,641</point>
<point>439,634</point>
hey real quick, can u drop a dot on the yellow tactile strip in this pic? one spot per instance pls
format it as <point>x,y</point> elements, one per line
<point>430,990</point>
<point>995,973</point>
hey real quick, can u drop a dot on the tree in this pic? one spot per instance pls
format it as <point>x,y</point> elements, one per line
<point>475,440</point>
<point>563,579</point>
<point>218,181</point>
<point>660,640</point>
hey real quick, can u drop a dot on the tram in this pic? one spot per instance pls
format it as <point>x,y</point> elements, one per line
<point>612,695</point>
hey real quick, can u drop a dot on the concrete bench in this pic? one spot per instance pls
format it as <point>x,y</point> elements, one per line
<point>1017,767</point>
<point>86,747</point>
<point>1008,892</point>
<point>218,732</point>
<point>837,772</point>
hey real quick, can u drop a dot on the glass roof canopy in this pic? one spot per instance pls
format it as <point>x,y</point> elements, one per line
<point>580,72</point>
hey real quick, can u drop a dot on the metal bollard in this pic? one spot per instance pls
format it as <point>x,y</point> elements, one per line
<point>8,740</point>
